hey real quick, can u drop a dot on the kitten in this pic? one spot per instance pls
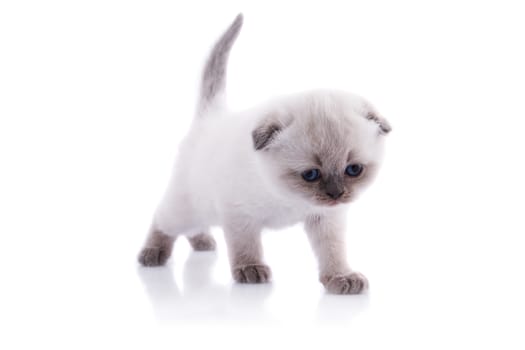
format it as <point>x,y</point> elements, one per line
<point>300,158</point>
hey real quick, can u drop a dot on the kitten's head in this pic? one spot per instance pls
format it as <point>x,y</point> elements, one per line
<point>322,147</point>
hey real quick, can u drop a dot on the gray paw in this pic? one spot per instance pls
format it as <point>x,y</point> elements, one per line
<point>353,283</point>
<point>202,242</point>
<point>153,256</point>
<point>252,274</point>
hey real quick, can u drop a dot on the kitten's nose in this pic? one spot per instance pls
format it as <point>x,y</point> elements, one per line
<point>334,187</point>
<point>334,193</point>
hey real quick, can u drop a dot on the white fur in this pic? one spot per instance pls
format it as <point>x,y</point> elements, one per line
<point>218,172</point>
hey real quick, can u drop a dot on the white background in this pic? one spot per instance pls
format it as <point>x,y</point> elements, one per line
<point>95,96</point>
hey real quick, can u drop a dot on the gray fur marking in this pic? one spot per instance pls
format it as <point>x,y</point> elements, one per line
<point>264,135</point>
<point>384,126</point>
<point>214,74</point>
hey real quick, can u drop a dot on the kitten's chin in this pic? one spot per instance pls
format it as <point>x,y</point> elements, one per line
<point>331,203</point>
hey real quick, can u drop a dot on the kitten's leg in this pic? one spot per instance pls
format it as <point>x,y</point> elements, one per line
<point>174,216</point>
<point>202,242</point>
<point>157,248</point>
<point>245,252</point>
<point>326,235</point>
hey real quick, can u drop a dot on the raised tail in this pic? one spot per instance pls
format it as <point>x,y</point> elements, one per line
<point>213,83</point>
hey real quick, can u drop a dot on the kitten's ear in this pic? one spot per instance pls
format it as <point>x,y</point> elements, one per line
<point>267,130</point>
<point>384,125</point>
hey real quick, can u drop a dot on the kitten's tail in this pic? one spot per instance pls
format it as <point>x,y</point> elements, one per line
<point>213,83</point>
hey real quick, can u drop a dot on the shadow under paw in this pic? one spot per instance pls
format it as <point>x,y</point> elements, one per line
<point>353,283</point>
<point>252,274</point>
<point>153,256</point>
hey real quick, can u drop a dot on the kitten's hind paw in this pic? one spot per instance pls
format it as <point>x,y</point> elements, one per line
<point>153,256</point>
<point>202,242</point>
<point>352,283</point>
<point>252,274</point>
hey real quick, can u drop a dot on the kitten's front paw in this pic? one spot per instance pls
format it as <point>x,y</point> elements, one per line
<point>352,283</point>
<point>153,256</point>
<point>252,274</point>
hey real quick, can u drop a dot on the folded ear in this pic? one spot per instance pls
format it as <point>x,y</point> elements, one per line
<point>264,134</point>
<point>268,129</point>
<point>384,125</point>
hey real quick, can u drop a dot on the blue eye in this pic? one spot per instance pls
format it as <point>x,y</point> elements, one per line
<point>354,170</point>
<point>311,175</point>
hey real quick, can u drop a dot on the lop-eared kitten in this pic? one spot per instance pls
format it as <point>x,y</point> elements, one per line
<point>300,158</point>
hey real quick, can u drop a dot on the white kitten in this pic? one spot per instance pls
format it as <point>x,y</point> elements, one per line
<point>301,158</point>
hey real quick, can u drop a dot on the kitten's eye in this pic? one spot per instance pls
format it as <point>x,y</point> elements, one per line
<point>354,170</point>
<point>311,175</point>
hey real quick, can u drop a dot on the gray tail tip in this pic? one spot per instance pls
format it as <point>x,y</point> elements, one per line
<point>237,22</point>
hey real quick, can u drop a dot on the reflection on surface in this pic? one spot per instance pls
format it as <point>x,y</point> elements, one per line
<point>338,308</point>
<point>200,298</point>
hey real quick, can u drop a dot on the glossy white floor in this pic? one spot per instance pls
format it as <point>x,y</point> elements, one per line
<point>95,97</point>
